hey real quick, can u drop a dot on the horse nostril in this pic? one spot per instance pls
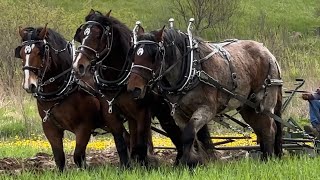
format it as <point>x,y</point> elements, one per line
<point>136,92</point>
<point>81,69</point>
<point>32,88</point>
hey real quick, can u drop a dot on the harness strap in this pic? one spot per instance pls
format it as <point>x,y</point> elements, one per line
<point>51,80</point>
<point>207,56</point>
<point>207,79</point>
<point>226,55</point>
<point>53,119</point>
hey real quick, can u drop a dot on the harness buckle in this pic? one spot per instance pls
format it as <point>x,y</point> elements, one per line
<point>173,108</point>
<point>110,106</point>
<point>51,80</point>
<point>46,47</point>
<point>198,73</point>
<point>46,117</point>
<point>234,75</point>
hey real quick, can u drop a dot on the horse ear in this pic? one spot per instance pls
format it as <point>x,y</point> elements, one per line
<point>91,12</point>
<point>159,34</point>
<point>140,30</point>
<point>21,33</point>
<point>43,32</point>
<point>108,13</point>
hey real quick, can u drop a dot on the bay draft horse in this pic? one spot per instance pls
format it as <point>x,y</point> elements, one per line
<point>47,66</point>
<point>102,56</point>
<point>200,89</point>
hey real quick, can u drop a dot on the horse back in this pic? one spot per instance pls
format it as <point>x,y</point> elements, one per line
<point>252,63</point>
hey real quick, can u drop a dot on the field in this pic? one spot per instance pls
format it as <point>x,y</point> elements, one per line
<point>289,168</point>
<point>272,22</point>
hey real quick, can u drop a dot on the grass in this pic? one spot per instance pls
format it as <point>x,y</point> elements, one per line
<point>297,167</point>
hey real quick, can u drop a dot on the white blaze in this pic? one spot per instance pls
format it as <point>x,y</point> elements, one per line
<point>75,64</point>
<point>27,79</point>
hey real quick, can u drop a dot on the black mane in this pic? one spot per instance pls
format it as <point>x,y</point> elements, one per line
<point>58,42</point>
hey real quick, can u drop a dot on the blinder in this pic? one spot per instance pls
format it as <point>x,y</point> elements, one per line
<point>17,52</point>
<point>77,35</point>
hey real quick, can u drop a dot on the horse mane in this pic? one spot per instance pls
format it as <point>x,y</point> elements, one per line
<point>57,41</point>
<point>170,36</point>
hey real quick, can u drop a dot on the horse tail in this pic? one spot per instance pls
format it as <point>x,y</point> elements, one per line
<point>278,112</point>
<point>279,127</point>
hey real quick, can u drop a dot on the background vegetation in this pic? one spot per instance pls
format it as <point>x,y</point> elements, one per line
<point>287,27</point>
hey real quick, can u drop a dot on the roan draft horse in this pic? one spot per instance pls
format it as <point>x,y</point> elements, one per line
<point>201,80</point>
<point>47,66</point>
<point>102,56</point>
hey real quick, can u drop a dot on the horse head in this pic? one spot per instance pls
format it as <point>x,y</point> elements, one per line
<point>95,36</point>
<point>147,57</point>
<point>32,53</point>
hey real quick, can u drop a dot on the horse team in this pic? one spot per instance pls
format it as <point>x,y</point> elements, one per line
<point>119,75</point>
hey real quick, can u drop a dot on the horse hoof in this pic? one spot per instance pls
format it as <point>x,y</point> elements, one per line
<point>192,161</point>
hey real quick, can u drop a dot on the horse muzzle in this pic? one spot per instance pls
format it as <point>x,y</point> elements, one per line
<point>32,88</point>
<point>137,93</point>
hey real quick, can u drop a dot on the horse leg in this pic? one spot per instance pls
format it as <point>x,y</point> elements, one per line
<point>264,127</point>
<point>126,137</point>
<point>82,139</point>
<point>162,112</point>
<point>55,136</point>
<point>117,129</point>
<point>205,139</point>
<point>193,152</point>
<point>143,127</point>
<point>133,137</point>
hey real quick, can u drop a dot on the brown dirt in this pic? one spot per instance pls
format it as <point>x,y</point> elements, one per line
<point>43,161</point>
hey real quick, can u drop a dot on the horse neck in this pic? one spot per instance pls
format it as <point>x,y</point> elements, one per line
<point>174,74</point>
<point>57,65</point>
<point>115,60</point>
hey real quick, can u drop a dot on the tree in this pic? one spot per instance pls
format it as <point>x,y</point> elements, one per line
<point>207,13</point>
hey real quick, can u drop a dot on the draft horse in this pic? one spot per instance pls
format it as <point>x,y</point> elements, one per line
<point>201,80</point>
<point>48,75</point>
<point>102,57</point>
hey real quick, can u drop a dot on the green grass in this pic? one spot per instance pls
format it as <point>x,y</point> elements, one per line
<point>288,168</point>
<point>22,151</point>
<point>296,15</point>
